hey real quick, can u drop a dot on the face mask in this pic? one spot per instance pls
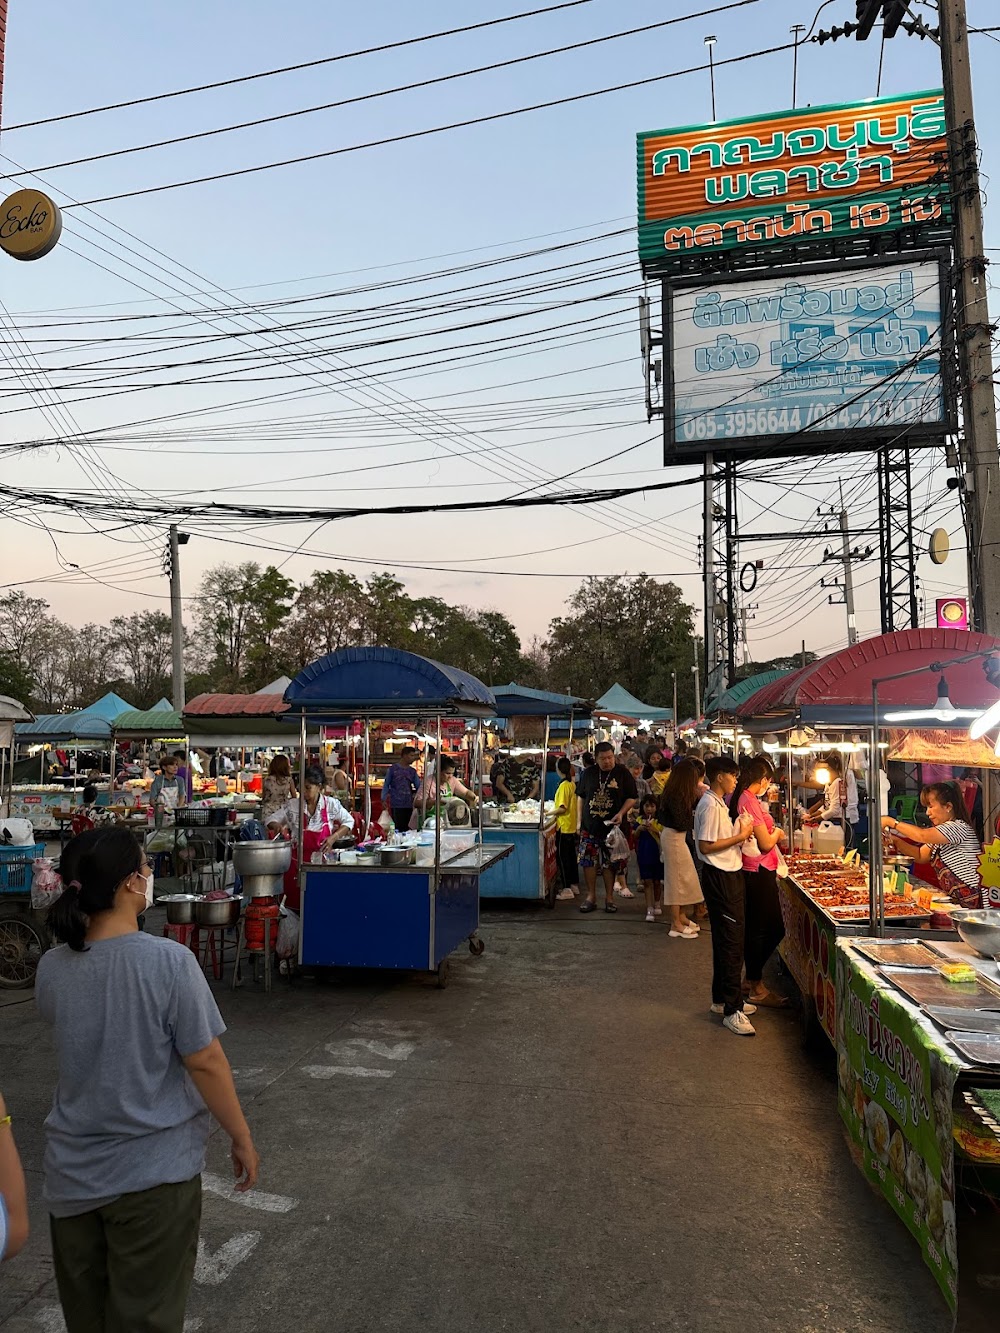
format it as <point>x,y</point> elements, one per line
<point>148,881</point>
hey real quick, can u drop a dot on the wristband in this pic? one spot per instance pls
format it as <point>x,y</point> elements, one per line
<point>4,1120</point>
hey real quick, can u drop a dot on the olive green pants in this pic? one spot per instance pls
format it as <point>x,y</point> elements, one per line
<point>127,1268</point>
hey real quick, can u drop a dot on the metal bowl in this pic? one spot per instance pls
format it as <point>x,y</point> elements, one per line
<point>262,858</point>
<point>217,911</point>
<point>180,908</point>
<point>394,856</point>
<point>980,928</point>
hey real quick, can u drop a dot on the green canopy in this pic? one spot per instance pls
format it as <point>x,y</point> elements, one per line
<point>138,724</point>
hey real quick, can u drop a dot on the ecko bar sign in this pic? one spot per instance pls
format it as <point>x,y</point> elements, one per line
<point>856,351</point>
<point>817,172</point>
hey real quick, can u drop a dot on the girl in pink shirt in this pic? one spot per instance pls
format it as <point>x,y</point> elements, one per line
<point>764,925</point>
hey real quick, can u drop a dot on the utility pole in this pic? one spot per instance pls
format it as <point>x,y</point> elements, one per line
<point>708,557</point>
<point>979,446</point>
<point>177,539</point>
<point>697,682</point>
<point>852,620</point>
<point>674,676</point>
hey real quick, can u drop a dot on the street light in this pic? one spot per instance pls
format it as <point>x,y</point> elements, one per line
<point>710,42</point>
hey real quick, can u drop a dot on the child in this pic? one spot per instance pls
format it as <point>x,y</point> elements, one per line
<point>647,853</point>
<point>566,816</point>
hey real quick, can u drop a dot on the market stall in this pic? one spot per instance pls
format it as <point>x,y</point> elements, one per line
<point>22,933</point>
<point>827,706</point>
<point>529,717</point>
<point>409,905</point>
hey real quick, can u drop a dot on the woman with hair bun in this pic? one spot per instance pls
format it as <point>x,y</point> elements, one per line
<point>140,1068</point>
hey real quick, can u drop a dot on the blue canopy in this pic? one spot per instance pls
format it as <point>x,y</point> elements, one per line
<point>623,704</point>
<point>385,682</point>
<point>522,701</point>
<point>86,724</point>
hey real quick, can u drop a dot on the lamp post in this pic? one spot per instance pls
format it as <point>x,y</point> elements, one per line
<point>710,42</point>
<point>795,29</point>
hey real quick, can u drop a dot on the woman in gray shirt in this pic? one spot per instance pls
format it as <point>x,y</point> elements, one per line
<point>140,1068</point>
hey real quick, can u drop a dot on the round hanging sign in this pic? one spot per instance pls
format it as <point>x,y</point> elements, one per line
<point>30,224</point>
<point>940,546</point>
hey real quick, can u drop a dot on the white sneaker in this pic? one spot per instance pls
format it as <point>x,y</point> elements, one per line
<point>739,1023</point>
<point>575,890</point>
<point>564,896</point>
<point>721,1008</point>
<point>718,1009</point>
<point>657,911</point>
<point>650,915</point>
<point>686,934</point>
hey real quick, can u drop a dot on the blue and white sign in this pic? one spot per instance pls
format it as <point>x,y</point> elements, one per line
<point>785,359</point>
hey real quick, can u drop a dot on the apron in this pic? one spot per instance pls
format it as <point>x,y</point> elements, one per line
<point>961,894</point>
<point>312,840</point>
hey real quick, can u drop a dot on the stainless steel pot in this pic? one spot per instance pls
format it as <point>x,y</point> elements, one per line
<point>216,911</point>
<point>261,858</point>
<point>180,908</point>
<point>979,928</point>
<point>394,856</point>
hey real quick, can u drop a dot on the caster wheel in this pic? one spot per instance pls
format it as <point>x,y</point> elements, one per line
<point>442,974</point>
<point>477,947</point>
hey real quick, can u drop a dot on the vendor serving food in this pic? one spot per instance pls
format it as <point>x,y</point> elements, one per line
<point>451,785</point>
<point>326,820</point>
<point>950,845</point>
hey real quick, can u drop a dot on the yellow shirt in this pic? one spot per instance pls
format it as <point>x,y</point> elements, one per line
<point>566,795</point>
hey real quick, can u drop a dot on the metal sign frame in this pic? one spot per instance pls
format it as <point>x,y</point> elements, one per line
<point>808,441</point>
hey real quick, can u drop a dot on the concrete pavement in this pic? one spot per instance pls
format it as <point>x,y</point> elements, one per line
<point>564,1139</point>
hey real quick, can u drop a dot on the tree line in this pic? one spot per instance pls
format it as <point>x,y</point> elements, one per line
<point>251,624</point>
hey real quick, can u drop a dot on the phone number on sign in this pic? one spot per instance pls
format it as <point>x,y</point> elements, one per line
<point>783,421</point>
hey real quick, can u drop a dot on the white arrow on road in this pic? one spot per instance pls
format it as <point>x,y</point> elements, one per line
<point>352,1071</point>
<point>385,1050</point>
<point>258,1199</point>
<point>211,1270</point>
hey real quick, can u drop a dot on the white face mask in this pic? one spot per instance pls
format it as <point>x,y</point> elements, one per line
<point>148,881</point>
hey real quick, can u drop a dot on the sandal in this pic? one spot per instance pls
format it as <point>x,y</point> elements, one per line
<point>588,907</point>
<point>609,907</point>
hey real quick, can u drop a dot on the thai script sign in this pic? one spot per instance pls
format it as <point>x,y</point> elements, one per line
<point>856,351</point>
<point>896,1078</point>
<point>793,175</point>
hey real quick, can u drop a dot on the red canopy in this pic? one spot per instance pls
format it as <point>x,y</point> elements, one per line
<point>838,688</point>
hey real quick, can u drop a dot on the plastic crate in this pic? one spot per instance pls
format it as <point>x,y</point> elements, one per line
<point>193,817</point>
<point>15,867</point>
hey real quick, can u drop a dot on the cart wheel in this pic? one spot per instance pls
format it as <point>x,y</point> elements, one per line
<point>477,947</point>
<point>21,946</point>
<point>442,974</point>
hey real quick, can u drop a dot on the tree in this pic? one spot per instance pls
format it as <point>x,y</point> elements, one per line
<point>629,629</point>
<point>328,614</point>
<point>90,661</point>
<point>15,683</point>
<point>241,610</point>
<point>143,644</point>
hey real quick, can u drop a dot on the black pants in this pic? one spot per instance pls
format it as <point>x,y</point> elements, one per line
<point>401,818</point>
<point>765,928</point>
<point>725,898</point>
<point>566,852</point>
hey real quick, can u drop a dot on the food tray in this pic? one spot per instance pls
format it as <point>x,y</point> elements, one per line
<point>900,953</point>
<point>979,1047</point>
<point>858,915</point>
<point>930,987</point>
<point>969,1020</point>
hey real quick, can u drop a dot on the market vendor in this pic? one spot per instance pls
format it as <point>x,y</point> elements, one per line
<point>450,782</point>
<point>326,823</point>
<point>169,791</point>
<point>950,844</point>
<point>839,802</point>
<point>515,779</point>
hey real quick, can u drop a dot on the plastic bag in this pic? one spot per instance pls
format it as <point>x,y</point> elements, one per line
<point>46,886</point>
<point>617,844</point>
<point>287,945</point>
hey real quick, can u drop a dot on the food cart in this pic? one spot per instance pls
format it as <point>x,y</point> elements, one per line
<point>529,716</point>
<point>396,910</point>
<point>22,934</point>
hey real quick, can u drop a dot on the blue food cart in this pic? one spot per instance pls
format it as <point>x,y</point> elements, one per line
<point>400,916</point>
<point>530,717</point>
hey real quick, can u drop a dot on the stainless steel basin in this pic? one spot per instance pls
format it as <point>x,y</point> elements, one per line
<point>262,858</point>
<point>980,928</point>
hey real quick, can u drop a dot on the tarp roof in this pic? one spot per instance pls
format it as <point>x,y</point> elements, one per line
<point>108,707</point>
<point>619,701</point>
<point>386,682</point>
<point>149,724</point>
<point>81,726</point>
<point>837,690</point>
<point>12,711</point>
<point>235,705</point>
<point>236,719</point>
<point>278,686</point>
<point>737,694</point>
<point>523,701</point>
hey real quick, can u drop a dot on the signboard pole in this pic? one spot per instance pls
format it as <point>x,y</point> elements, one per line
<point>708,541</point>
<point>974,331</point>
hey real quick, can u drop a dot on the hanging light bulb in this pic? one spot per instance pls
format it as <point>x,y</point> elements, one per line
<point>821,773</point>
<point>943,711</point>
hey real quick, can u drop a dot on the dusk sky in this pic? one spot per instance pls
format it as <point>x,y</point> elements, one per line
<point>450,412</point>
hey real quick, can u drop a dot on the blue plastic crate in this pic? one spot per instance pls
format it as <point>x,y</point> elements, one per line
<point>15,867</point>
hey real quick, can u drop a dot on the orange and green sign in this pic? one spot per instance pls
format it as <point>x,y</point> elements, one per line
<point>827,171</point>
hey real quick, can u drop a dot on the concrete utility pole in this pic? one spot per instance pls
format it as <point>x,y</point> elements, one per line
<point>176,618</point>
<point>979,443</point>
<point>708,557</point>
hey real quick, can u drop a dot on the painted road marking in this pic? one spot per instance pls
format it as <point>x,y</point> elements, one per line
<point>351,1071</point>
<point>211,1270</point>
<point>397,1050</point>
<point>258,1199</point>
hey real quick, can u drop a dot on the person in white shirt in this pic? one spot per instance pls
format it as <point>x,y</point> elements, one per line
<point>840,796</point>
<point>719,841</point>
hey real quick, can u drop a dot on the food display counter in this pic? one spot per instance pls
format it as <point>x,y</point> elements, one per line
<point>919,1097</point>
<point>822,899</point>
<point>531,870</point>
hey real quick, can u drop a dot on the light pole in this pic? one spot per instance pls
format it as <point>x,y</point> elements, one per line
<point>673,676</point>
<point>177,540</point>
<point>795,29</point>
<point>710,42</point>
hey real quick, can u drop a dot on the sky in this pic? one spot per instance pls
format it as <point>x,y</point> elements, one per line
<point>333,286</point>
